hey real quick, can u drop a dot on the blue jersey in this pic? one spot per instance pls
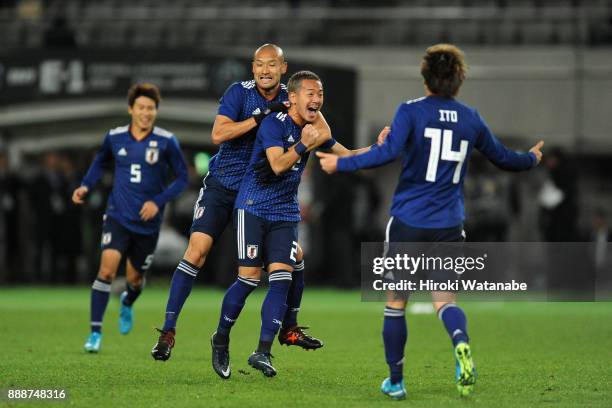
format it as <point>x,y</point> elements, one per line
<point>435,137</point>
<point>141,169</point>
<point>276,201</point>
<point>240,101</point>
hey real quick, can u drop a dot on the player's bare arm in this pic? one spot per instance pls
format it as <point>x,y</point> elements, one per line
<point>340,150</point>
<point>225,129</point>
<point>323,127</point>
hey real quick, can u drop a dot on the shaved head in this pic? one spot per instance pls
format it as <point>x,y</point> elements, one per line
<point>268,67</point>
<point>273,48</point>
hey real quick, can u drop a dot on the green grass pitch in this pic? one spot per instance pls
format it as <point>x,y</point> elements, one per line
<point>527,354</point>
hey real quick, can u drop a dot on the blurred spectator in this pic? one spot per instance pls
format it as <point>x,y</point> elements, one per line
<point>48,203</point>
<point>181,210</point>
<point>492,198</point>
<point>600,235</point>
<point>9,227</point>
<point>558,199</point>
<point>59,35</point>
<point>69,251</point>
<point>367,204</point>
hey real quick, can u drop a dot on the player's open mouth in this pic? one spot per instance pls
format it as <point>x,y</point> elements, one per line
<point>312,109</point>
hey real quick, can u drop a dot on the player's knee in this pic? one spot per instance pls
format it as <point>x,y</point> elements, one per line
<point>197,250</point>
<point>250,272</point>
<point>135,280</point>
<point>397,304</point>
<point>107,273</point>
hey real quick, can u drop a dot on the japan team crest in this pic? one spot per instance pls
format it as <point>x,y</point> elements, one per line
<point>152,155</point>
<point>252,251</point>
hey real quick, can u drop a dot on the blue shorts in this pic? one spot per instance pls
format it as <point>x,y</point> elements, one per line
<point>262,242</point>
<point>138,248</point>
<point>213,209</point>
<point>398,232</point>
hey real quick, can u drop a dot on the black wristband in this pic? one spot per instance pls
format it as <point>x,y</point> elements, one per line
<point>300,148</point>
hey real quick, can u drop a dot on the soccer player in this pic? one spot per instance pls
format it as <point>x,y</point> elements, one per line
<point>434,135</point>
<point>242,108</point>
<point>143,154</point>
<point>267,214</point>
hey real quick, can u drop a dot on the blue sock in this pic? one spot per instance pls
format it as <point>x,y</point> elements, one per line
<point>132,293</point>
<point>294,297</point>
<point>180,288</point>
<point>100,292</point>
<point>395,334</point>
<point>274,306</point>
<point>233,302</point>
<point>455,323</point>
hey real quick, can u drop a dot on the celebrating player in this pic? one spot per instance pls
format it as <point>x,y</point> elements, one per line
<point>434,135</point>
<point>267,214</point>
<point>142,154</point>
<point>242,108</point>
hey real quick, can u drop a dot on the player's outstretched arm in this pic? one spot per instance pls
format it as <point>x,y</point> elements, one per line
<point>340,150</point>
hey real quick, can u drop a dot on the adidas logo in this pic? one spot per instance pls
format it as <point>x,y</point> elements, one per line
<point>291,139</point>
<point>122,152</point>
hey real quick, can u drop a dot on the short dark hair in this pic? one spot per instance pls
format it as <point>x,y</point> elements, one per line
<point>443,68</point>
<point>146,89</point>
<point>295,82</point>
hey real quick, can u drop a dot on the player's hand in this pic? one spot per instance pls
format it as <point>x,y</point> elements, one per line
<point>79,194</point>
<point>310,136</point>
<point>148,211</point>
<point>382,136</point>
<point>329,162</point>
<point>536,150</point>
<point>272,107</point>
<point>264,172</point>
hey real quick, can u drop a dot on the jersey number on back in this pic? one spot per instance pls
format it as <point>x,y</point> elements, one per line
<point>448,153</point>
